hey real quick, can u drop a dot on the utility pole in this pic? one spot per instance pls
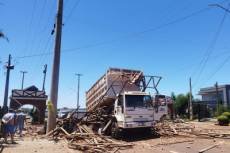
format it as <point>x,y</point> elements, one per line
<point>78,88</point>
<point>52,104</point>
<point>44,78</point>
<point>190,99</point>
<point>8,67</point>
<point>23,75</point>
<point>217,97</point>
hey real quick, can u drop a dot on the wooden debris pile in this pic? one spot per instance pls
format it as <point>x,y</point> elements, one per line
<point>212,133</point>
<point>167,128</point>
<point>83,139</point>
<point>94,143</point>
<point>98,117</point>
<point>79,136</point>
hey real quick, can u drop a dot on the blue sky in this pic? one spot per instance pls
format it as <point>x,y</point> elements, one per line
<point>98,34</point>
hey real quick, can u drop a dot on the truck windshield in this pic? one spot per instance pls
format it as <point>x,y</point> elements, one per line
<point>138,101</point>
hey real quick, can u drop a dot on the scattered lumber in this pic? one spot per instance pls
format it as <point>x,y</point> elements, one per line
<point>175,142</point>
<point>208,148</point>
<point>81,137</point>
<point>167,128</point>
<point>90,142</point>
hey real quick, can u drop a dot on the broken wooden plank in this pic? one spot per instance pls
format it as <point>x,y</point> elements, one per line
<point>107,125</point>
<point>208,148</point>
<point>64,131</point>
<point>174,142</point>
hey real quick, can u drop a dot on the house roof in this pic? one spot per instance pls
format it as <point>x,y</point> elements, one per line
<point>31,88</point>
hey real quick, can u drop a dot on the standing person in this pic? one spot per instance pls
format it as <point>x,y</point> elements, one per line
<point>20,121</point>
<point>9,120</point>
<point>1,112</point>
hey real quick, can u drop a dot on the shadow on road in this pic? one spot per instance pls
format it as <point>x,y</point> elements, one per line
<point>137,135</point>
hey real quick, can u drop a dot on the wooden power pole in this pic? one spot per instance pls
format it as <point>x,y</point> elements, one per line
<point>78,88</point>
<point>217,98</point>
<point>23,77</point>
<point>8,67</point>
<point>190,99</point>
<point>52,104</point>
<point>44,78</point>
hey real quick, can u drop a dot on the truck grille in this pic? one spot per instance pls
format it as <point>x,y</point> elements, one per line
<point>140,119</point>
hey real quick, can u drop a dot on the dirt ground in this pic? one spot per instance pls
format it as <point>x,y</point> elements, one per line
<point>28,145</point>
<point>193,145</point>
<point>175,144</point>
<point>181,144</point>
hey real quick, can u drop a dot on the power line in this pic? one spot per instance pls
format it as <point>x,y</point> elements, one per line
<point>127,36</point>
<point>43,55</point>
<point>224,53</point>
<point>209,50</point>
<point>77,2</point>
<point>43,45</point>
<point>219,67</point>
<point>39,19</point>
<point>147,30</point>
<point>46,43</point>
<point>216,71</point>
<point>228,58</point>
<point>144,31</point>
<point>34,55</point>
<point>30,25</point>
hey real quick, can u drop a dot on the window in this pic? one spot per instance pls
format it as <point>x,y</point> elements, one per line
<point>138,101</point>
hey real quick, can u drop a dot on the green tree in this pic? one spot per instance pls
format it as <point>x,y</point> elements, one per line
<point>173,96</point>
<point>181,104</point>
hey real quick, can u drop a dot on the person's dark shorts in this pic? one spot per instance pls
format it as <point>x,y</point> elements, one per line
<point>8,129</point>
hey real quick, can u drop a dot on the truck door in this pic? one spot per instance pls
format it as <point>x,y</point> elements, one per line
<point>119,106</point>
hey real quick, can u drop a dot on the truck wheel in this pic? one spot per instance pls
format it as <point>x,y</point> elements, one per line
<point>115,130</point>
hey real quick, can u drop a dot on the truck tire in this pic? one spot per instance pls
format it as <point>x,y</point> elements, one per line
<point>115,132</point>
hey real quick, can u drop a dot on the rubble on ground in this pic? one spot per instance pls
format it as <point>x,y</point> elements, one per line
<point>80,137</point>
<point>187,129</point>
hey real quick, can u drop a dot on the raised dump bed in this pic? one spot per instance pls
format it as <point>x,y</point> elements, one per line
<point>113,82</point>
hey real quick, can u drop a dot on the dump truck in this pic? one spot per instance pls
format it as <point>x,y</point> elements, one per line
<point>119,96</point>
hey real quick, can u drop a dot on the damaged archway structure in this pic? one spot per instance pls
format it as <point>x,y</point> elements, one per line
<point>32,96</point>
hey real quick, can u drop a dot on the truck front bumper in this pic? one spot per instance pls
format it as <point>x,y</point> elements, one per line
<point>143,124</point>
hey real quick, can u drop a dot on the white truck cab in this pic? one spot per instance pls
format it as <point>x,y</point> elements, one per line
<point>134,109</point>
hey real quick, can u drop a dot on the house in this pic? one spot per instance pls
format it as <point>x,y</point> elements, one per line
<point>209,95</point>
<point>30,96</point>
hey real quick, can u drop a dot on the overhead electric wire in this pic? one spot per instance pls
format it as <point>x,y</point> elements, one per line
<point>28,31</point>
<point>34,35</point>
<point>128,36</point>
<point>48,33</point>
<point>221,54</point>
<point>77,2</point>
<point>219,67</point>
<point>145,31</point>
<point>209,50</point>
<point>30,26</point>
<point>215,71</point>
<point>43,45</point>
